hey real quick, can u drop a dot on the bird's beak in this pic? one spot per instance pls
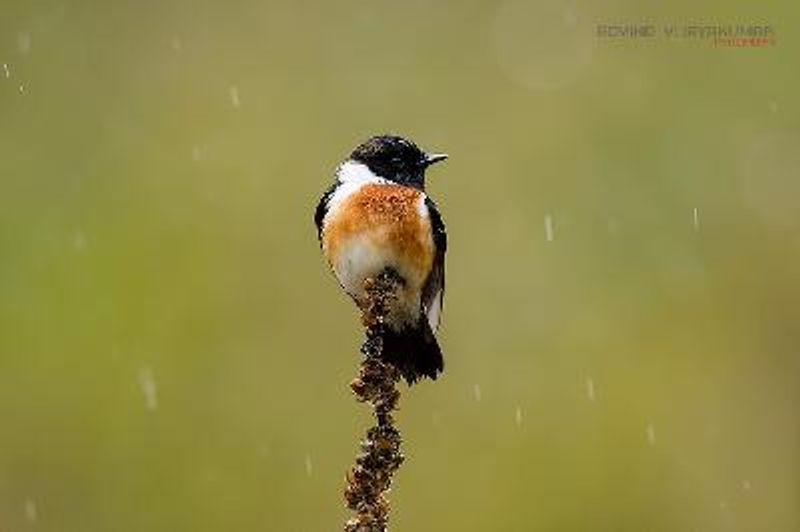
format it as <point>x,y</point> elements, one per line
<point>434,158</point>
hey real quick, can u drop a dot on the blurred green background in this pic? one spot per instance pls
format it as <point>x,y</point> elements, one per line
<point>621,326</point>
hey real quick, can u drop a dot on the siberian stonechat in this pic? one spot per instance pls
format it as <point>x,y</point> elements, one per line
<point>377,217</point>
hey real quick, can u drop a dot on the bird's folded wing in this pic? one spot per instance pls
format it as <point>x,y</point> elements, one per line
<point>433,289</point>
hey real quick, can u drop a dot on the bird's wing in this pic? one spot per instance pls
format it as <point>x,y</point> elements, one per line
<point>433,289</point>
<point>322,210</point>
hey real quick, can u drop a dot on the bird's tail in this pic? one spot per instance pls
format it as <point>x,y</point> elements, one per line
<point>414,351</point>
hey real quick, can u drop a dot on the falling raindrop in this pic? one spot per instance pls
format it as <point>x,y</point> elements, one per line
<point>79,241</point>
<point>696,219</point>
<point>309,465</point>
<point>31,513</point>
<point>234,92</point>
<point>476,391</point>
<point>197,153</point>
<point>518,416</point>
<point>22,89</point>
<point>147,384</point>
<point>651,434</point>
<point>6,71</point>
<point>548,227</point>
<point>24,42</point>
<point>590,390</point>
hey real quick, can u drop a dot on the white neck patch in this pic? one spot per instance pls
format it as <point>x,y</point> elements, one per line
<point>353,173</point>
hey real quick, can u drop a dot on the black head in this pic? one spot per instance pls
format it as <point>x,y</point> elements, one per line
<point>396,159</point>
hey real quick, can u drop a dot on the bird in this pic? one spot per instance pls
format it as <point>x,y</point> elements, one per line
<point>376,217</point>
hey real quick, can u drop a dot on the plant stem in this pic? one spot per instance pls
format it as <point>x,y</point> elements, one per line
<point>379,457</point>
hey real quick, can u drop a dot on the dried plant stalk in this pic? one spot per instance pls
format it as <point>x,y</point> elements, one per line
<point>379,457</point>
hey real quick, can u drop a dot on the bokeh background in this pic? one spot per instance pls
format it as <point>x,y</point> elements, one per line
<point>621,324</point>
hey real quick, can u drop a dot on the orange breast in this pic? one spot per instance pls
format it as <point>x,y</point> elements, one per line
<point>389,215</point>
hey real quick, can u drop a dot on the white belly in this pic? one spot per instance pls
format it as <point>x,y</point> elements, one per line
<point>360,258</point>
